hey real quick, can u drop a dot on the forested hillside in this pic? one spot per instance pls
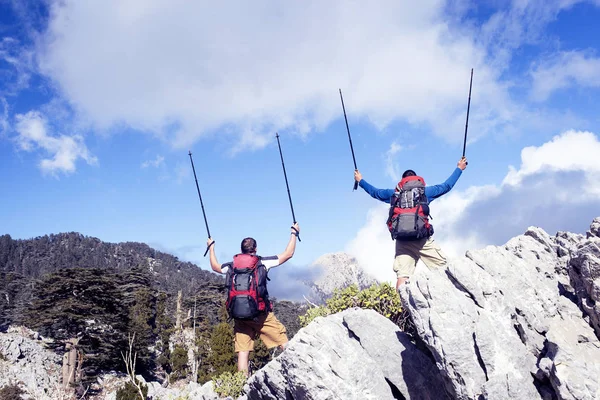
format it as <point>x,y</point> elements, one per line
<point>69,286</point>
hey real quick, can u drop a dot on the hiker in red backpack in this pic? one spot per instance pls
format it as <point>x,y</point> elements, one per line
<point>248,299</point>
<point>408,220</point>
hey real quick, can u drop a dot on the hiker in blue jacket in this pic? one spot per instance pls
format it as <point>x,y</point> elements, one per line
<point>409,251</point>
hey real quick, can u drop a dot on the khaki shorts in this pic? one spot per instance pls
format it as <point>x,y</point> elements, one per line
<point>271,331</point>
<point>409,252</point>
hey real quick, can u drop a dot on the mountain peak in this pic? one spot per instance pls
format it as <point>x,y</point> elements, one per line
<point>337,271</point>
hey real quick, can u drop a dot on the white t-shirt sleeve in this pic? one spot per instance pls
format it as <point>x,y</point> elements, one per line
<point>225,267</point>
<point>270,262</point>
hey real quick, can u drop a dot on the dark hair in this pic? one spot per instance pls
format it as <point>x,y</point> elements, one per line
<point>248,245</point>
<point>408,172</point>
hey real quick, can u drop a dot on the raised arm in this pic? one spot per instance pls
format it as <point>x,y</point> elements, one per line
<point>291,246</point>
<point>214,264</point>
<point>384,195</point>
<point>435,191</point>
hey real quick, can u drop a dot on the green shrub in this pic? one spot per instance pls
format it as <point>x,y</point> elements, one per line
<point>312,313</point>
<point>382,298</point>
<point>229,384</point>
<point>130,392</point>
<point>221,356</point>
<point>11,392</point>
<point>179,362</point>
<point>260,356</point>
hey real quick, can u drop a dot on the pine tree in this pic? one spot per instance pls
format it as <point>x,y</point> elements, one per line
<point>261,355</point>
<point>84,303</point>
<point>222,357</point>
<point>163,329</point>
<point>179,362</point>
<point>141,321</point>
<point>203,334</point>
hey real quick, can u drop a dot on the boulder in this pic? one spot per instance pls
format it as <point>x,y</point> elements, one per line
<point>28,363</point>
<point>584,271</point>
<point>355,354</point>
<point>500,323</point>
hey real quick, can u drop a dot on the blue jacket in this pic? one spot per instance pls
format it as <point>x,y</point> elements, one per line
<point>432,192</point>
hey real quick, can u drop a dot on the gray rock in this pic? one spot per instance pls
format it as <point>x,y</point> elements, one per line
<point>37,368</point>
<point>205,392</point>
<point>192,390</point>
<point>500,324</point>
<point>594,228</point>
<point>355,354</point>
<point>571,357</point>
<point>584,271</point>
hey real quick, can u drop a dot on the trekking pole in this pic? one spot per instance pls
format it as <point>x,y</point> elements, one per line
<point>201,203</point>
<point>468,107</point>
<point>349,138</point>
<point>287,185</point>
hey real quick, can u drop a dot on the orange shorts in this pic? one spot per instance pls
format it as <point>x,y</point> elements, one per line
<point>271,331</point>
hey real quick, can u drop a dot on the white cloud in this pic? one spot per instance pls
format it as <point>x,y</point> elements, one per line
<point>373,247</point>
<point>182,70</point>
<point>4,116</point>
<point>556,187</point>
<point>64,151</point>
<point>18,67</point>
<point>570,151</point>
<point>391,167</point>
<point>157,162</point>
<point>564,70</point>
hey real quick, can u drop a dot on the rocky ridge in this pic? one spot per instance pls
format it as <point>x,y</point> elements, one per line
<point>505,322</point>
<point>518,321</point>
<point>350,355</point>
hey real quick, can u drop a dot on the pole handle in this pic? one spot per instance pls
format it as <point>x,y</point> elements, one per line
<point>355,185</point>
<point>297,233</point>
<point>208,248</point>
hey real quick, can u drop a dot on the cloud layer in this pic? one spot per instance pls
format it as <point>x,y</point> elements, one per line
<point>564,70</point>
<point>183,70</point>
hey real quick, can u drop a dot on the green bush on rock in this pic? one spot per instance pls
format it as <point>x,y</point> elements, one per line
<point>229,384</point>
<point>382,298</point>
<point>130,392</point>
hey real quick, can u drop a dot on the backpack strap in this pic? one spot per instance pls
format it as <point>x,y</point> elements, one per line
<point>417,216</point>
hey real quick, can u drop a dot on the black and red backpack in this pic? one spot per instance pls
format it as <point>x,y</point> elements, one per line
<point>246,283</point>
<point>409,210</point>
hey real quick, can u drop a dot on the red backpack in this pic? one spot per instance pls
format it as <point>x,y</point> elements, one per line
<point>409,210</point>
<point>246,282</point>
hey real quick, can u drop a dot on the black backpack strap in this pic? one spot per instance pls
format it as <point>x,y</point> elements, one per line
<point>393,202</point>
<point>417,217</point>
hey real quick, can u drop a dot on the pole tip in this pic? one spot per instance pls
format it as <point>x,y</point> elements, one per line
<point>276,134</point>
<point>189,152</point>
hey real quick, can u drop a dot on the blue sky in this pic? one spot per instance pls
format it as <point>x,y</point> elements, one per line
<point>101,101</point>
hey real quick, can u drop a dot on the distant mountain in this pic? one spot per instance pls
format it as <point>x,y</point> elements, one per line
<point>23,262</point>
<point>337,271</point>
<point>33,258</point>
